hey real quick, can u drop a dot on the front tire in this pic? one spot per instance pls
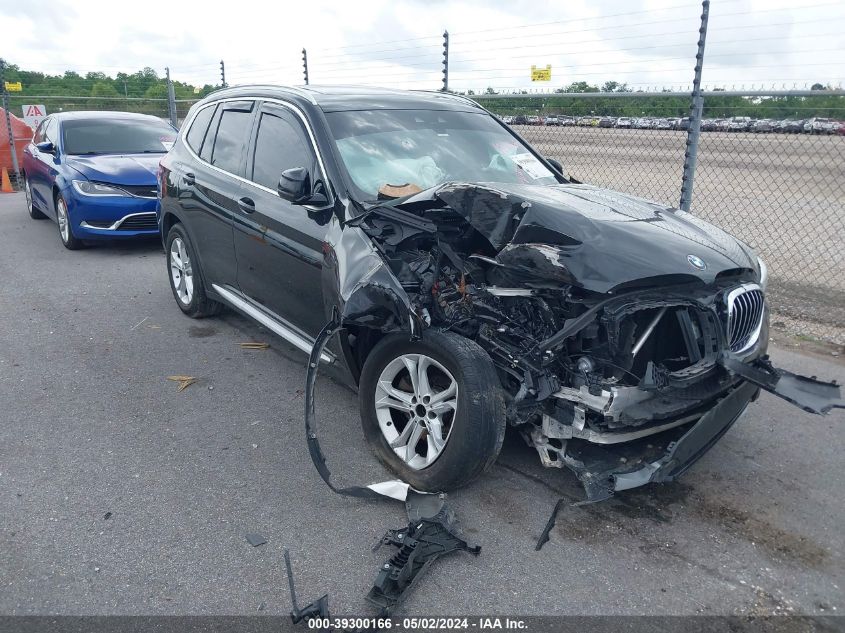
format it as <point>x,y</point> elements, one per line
<point>433,409</point>
<point>34,213</point>
<point>69,240</point>
<point>186,280</point>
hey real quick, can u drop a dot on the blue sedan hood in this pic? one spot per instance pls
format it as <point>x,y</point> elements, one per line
<point>118,169</point>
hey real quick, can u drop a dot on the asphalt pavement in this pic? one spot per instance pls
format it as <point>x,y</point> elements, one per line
<point>120,494</point>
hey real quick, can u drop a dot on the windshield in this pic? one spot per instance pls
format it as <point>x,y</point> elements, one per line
<point>392,153</point>
<point>117,136</point>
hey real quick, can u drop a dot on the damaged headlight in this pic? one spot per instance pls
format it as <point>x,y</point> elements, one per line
<point>764,273</point>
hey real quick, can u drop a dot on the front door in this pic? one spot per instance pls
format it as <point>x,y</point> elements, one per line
<point>279,246</point>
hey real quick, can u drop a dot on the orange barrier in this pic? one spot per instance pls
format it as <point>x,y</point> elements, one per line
<point>5,183</point>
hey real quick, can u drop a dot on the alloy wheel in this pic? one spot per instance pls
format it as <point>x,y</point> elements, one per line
<point>181,272</point>
<point>416,400</point>
<point>64,222</point>
<point>28,193</point>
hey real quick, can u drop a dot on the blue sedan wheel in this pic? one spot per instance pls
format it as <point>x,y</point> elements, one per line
<point>34,213</point>
<point>69,240</point>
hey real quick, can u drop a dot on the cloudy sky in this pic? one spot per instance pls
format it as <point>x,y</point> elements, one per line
<point>647,43</point>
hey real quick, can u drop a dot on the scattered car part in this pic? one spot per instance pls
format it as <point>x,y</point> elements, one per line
<point>432,532</point>
<point>420,544</point>
<point>255,539</point>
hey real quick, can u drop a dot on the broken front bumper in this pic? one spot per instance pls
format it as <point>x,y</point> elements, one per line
<point>605,469</point>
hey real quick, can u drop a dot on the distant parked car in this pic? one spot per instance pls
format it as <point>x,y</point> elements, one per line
<point>762,125</point>
<point>553,120</point>
<point>94,174</point>
<point>606,121</point>
<point>507,119</point>
<point>820,125</point>
<point>793,126</point>
<point>520,119</point>
<point>739,124</point>
<point>683,123</point>
<point>568,120</point>
<point>623,121</point>
<point>662,124</point>
<point>841,129</point>
<point>533,119</point>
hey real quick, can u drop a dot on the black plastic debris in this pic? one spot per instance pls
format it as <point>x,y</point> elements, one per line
<point>426,539</point>
<point>255,539</point>
<point>544,536</point>
<point>107,516</point>
<point>317,609</point>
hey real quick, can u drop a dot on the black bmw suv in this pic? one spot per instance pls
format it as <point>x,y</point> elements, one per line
<point>462,283</point>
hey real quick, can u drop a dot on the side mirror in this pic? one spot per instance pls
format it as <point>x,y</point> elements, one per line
<point>47,147</point>
<point>556,164</point>
<point>295,187</point>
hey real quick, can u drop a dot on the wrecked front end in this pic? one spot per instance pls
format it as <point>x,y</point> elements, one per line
<point>616,361</point>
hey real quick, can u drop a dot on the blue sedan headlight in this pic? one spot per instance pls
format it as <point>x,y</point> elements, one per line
<point>89,188</point>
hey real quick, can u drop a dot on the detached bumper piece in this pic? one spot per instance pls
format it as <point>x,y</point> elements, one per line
<point>811,395</point>
<point>420,544</point>
<point>432,532</point>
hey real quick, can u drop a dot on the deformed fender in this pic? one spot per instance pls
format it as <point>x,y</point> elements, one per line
<point>362,291</point>
<point>359,284</point>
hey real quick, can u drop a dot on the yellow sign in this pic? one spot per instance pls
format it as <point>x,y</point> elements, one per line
<point>541,74</point>
<point>14,87</point>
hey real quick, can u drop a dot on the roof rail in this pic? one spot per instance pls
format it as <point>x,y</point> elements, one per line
<point>453,95</point>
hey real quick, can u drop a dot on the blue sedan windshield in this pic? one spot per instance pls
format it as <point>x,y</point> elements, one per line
<point>117,136</point>
<point>408,149</point>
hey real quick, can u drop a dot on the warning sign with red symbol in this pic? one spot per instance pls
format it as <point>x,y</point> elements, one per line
<point>34,114</point>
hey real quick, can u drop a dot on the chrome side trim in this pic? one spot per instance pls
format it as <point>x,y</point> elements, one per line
<point>183,132</point>
<point>287,332</point>
<point>116,225</point>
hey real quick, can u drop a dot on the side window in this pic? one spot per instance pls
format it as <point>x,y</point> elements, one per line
<point>51,132</point>
<point>199,127</point>
<point>232,137</point>
<point>281,144</point>
<point>38,137</point>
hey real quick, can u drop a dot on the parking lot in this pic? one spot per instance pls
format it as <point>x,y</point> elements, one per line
<point>121,495</point>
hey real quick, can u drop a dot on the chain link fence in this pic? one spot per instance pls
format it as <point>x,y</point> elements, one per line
<point>769,164</point>
<point>775,180</point>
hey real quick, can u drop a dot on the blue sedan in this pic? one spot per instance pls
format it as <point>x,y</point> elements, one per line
<point>95,174</point>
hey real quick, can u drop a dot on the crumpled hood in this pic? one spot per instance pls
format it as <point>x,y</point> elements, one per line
<point>118,169</point>
<point>587,236</point>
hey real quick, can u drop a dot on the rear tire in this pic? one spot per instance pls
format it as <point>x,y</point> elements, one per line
<point>185,275</point>
<point>469,428</point>
<point>34,213</point>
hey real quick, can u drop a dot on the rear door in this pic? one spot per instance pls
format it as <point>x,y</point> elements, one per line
<point>278,244</point>
<point>42,167</point>
<point>209,183</point>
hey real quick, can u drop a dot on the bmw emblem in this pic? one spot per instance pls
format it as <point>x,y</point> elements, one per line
<point>696,262</point>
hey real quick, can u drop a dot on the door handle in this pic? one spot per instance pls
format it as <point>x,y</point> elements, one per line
<point>188,179</point>
<point>246,205</point>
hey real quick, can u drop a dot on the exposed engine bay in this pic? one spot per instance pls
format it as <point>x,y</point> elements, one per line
<point>607,357</point>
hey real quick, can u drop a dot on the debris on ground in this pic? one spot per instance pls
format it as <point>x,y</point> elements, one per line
<point>254,345</point>
<point>432,532</point>
<point>107,516</point>
<point>255,539</point>
<point>184,381</point>
<point>420,544</point>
